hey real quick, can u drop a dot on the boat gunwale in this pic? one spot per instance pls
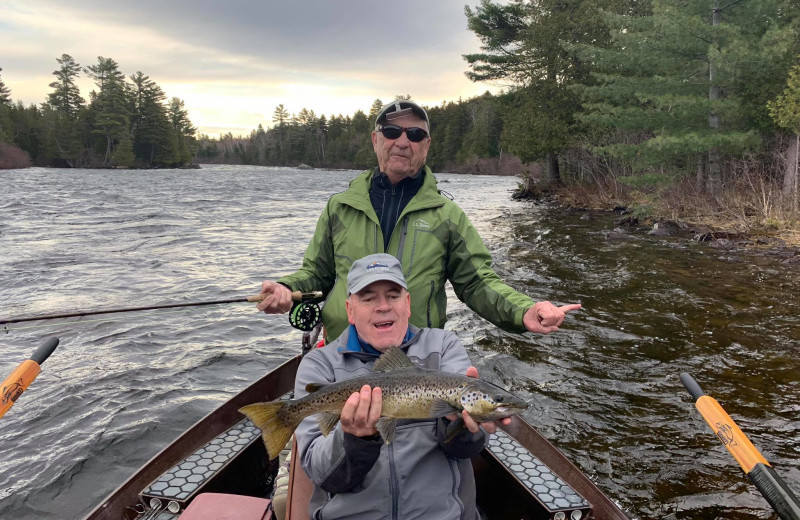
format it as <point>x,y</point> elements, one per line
<point>277,383</point>
<point>271,386</point>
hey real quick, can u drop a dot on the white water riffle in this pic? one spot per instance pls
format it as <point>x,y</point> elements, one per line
<point>604,389</point>
<point>122,386</point>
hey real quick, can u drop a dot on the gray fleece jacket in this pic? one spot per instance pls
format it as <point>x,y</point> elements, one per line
<point>417,475</point>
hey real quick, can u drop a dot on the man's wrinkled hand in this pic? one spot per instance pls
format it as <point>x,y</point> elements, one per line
<point>361,412</point>
<point>474,426</point>
<point>277,298</point>
<point>544,317</point>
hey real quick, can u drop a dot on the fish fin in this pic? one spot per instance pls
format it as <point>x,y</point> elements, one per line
<point>394,359</point>
<point>386,426</point>
<point>273,430</point>
<point>440,408</point>
<point>313,387</point>
<point>454,428</point>
<point>328,422</point>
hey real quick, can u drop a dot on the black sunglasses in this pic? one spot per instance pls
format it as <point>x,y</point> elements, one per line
<point>414,134</point>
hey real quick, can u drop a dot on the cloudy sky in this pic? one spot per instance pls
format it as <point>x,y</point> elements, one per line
<point>234,61</point>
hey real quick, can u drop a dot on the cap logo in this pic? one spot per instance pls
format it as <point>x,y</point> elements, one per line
<point>377,265</point>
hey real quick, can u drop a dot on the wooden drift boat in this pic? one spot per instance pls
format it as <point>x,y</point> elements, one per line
<point>219,469</point>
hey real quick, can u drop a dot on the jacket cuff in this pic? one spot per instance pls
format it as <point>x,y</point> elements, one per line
<point>464,445</point>
<point>360,454</point>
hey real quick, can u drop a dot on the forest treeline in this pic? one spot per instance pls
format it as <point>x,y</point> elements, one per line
<point>466,136</point>
<point>693,106</point>
<point>681,108</point>
<point>127,122</point>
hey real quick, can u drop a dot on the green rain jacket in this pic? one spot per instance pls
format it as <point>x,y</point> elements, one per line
<point>434,241</point>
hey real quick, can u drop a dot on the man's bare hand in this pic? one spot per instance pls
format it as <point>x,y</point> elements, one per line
<point>471,424</point>
<point>361,412</point>
<point>277,298</point>
<point>544,317</point>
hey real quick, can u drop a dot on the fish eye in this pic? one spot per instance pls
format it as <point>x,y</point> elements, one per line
<point>499,398</point>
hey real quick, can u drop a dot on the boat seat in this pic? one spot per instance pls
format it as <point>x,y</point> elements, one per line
<point>300,488</point>
<point>221,506</point>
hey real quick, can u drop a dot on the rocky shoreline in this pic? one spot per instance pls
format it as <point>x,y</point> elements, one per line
<point>627,226</point>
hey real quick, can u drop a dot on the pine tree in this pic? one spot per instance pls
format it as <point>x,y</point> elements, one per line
<point>675,78</point>
<point>374,109</point>
<point>66,97</point>
<point>280,116</point>
<point>64,105</point>
<point>785,110</point>
<point>6,129</point>
<point>530,43</point>
<point>154,142</point>
<point>182,129</point>
<point>5,92</point>
<point>109,107</point>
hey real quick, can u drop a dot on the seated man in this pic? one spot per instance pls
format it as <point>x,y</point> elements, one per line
<point>356,474</point>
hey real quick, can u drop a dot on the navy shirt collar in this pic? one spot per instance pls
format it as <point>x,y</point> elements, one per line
<point>356,344</point>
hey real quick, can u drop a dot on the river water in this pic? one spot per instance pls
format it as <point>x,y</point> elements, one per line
<point>604,389</point>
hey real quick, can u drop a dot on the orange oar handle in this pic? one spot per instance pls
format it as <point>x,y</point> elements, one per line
<point>782,499</point>
<point>736,442</point>
<point>21,378</point>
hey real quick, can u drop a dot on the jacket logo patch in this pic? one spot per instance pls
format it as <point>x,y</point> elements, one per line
<point>420,223</point>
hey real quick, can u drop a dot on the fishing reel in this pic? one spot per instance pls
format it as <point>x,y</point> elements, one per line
<point>305,315</point>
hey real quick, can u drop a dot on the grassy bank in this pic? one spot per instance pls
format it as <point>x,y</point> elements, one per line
<point>750,207</point>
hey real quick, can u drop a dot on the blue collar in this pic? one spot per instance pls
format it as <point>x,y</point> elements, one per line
<point>356,344</point>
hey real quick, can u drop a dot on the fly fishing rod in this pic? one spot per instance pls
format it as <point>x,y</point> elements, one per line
<point>755,466</point>
<point>21,378</point>
<point>304,314</point>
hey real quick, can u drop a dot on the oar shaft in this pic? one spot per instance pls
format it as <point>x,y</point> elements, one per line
<point>778,494</point>
<point>21,378</point>
<point>297,296</point>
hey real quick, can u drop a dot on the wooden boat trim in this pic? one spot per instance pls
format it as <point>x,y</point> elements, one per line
<point>551,456</point>
<point>277,383</point>
<point>273,385</point>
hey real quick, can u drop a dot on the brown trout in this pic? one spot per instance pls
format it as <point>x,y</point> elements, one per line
<point>409,392</point>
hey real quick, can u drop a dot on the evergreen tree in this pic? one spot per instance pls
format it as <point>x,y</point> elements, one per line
<point>61,114</point>
<point>675,77</point>
<point>785,110</point>
<point>280,116</point>
<point>6,129</point>
<point>530,43</point>
<point>5,92</point>
<point>109,107</point>
<point>66,97</point>
<point>153,141</point>
<point>183,130</point>
<point>374,109</point>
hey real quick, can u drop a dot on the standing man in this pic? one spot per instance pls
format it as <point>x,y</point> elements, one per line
<point>398,209</point>
<point>356,474</point>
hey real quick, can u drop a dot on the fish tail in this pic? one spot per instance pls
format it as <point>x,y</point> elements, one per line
<point>274,430</point>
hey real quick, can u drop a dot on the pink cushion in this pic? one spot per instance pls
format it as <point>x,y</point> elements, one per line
<point>220,506</point>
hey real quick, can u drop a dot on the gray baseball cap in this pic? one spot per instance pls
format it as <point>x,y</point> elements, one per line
<point>374,268</point>
<point>399,108</point>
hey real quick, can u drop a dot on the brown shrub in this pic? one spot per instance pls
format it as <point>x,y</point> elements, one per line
<point>12,156</point>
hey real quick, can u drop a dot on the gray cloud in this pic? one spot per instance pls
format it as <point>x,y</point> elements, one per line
<point>252,54</point>
<point>327,34</point>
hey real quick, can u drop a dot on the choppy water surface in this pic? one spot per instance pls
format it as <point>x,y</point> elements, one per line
<point>605,389</point>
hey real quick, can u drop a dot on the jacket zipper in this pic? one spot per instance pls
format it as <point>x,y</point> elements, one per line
<point>393,491</point>
<point>430,298</point>
<point>402,243</point>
